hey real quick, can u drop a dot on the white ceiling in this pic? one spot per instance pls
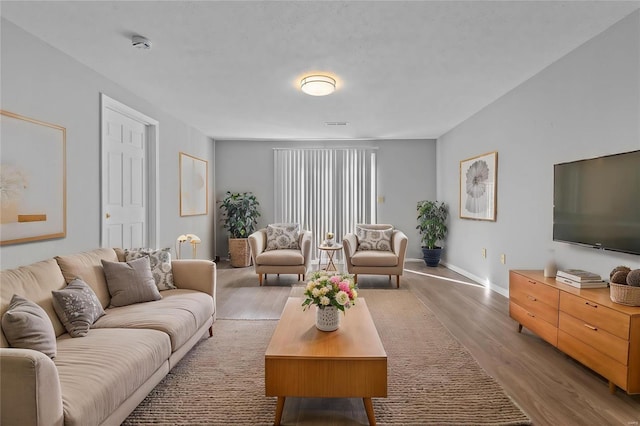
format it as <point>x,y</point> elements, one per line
<point>404,69</point>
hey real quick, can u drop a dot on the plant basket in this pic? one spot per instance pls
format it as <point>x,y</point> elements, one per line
<point>239,252</point>
<point>625,294</point>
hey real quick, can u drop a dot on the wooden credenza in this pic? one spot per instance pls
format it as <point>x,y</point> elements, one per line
<point>583,323</point>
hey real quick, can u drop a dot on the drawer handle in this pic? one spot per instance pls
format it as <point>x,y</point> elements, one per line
<point>591,327</point>
<point>591,304</point>
<point>533,299</point>
<point>531,315</point>
<point>532,282</point>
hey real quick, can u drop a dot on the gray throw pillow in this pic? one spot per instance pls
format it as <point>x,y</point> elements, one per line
<point>77,307</point>
<point>160,261</point>
<point>374,239</point>
<point>130,282</point>
<point>283,236</point>
<point>27,326</point>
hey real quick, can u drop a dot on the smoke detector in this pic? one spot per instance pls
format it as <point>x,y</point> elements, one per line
<point>140,42</point>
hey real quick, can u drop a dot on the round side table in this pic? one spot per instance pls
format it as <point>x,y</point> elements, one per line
<point>331,251</point>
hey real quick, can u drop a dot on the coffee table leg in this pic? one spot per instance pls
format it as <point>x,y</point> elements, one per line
<point>280,406</point>
<point>368,406</point>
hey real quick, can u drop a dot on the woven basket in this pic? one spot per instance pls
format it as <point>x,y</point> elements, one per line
<point>625,294</point>
<point>239,252</point>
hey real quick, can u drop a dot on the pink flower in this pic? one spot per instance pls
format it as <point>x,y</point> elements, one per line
<point>344,286</point>
<point>335,279</point>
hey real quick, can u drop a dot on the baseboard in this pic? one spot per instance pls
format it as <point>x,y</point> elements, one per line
<point>482,281</point>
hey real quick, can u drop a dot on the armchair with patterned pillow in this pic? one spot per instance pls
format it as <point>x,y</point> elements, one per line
<point>281,248</point>
<point>375,249</point>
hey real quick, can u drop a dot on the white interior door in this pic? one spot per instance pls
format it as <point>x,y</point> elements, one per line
<point>126,168</point>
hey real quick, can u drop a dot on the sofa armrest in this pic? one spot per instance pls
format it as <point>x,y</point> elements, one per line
<point>195,274</point>
<point>350,245</point>
<point>29,389</point>
<point>305,247</point>
<point>257,243</point>
<point>399,243</point>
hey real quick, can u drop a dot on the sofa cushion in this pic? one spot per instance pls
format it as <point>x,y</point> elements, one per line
<point>374,258</point>
<point>88,267</point>
<point>160,261</point>
<point>77,307</point>
<point>281,236</point>
<point>27,326</point>
<point>100,371</point>
<point>180,314</point>
<point>374,239</point>
<point>130,282</point>
<point>286,257</point>
<point>34,282</point>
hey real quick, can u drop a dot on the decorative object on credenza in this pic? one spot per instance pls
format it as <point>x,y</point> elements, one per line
<point>478,187</point>
<point>625,286</point>
<point>239,216</point>
<point>432,225</point>
<point>194,186</point>
<point>33,194</point>
<point>332,294</point>
<point>550,268</point>
<point>193,239</point>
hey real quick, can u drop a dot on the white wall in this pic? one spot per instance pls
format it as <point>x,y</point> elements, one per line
<point>406,174</point>
<point>586,104</point>
<point>41,82</point>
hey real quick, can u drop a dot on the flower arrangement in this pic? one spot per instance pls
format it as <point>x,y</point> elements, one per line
<point>324,289</point>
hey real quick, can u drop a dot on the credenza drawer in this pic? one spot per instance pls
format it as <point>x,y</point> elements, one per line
<point>534,323</point>
<point>596,315</point>
<point>533,288</point>
<point>534,305</point>
<point>594,359</point>
<point>595,337</point>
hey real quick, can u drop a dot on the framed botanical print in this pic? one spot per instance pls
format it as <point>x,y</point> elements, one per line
<point>478,187</point>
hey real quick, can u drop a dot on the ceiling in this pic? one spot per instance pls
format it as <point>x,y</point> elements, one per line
<point>405,69</point>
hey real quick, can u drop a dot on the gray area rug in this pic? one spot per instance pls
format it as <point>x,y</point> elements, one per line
<point>432,378</point>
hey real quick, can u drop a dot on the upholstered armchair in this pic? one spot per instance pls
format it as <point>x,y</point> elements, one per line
<point>273,253</point>
<point>377,249</point>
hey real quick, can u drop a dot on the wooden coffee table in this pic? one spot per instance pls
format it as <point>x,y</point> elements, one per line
<point>302,361</point>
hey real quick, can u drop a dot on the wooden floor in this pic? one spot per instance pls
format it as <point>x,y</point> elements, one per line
<point>549,386</point>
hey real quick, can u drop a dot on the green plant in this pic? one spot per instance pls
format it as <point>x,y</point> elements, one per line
<point>240,213</point>
<point>432,218</point>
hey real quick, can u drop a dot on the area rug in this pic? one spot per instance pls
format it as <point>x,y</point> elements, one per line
<point>432,378</point>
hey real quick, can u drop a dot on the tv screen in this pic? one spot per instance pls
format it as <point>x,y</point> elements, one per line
<point>596,202</point>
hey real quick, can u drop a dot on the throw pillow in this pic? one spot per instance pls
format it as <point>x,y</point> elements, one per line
<point>27,326</point>
<point>160,261</point>
<point>130,282</point>
<point>77,307</point>
<point>374,239</point>
<point>283,236</point>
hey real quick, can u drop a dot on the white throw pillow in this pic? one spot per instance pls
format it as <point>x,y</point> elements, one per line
<point>283,236</point>
<point>160,261</point>
<point>374,239</point>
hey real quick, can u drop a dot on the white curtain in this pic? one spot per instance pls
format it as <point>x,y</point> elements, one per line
<point>325,190</point>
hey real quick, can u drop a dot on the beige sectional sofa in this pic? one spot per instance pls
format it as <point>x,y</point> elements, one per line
<point>100,378</point>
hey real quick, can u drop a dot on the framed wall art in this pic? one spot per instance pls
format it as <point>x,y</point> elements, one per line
<point>33,191</point>
<point>194,187</point>
<point>478,187</point>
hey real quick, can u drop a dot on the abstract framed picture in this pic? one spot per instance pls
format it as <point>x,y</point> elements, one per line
<point>194,187</point>
<point>33,191</point>
<point>478,187</point>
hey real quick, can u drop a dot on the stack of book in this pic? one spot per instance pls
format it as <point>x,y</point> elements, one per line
<point>581,279</point>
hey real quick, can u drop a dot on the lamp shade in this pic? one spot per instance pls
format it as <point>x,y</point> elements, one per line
<point>318,85</point>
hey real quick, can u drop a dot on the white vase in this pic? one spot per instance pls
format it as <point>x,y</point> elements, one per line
<point>550,269</point>
<point>327,318</point>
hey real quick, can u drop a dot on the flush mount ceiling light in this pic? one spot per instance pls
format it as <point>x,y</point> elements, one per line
<point>140,42</point>
<point>318,85</point>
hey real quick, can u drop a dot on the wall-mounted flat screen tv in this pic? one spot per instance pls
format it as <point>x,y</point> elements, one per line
<point>596,202</point>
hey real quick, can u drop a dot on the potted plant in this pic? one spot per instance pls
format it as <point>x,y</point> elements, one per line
<point>240,217</point>
<point>432,218</point>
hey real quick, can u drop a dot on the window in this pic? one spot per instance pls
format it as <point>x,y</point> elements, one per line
<point>325,190</point>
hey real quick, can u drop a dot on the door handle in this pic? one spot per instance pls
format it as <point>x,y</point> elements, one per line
<point>107,215</point>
